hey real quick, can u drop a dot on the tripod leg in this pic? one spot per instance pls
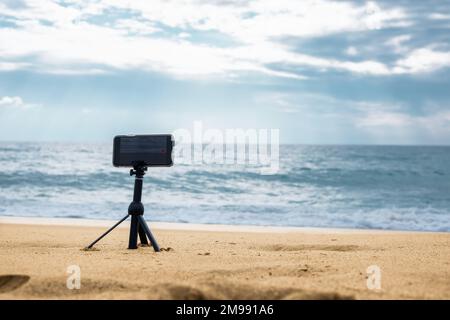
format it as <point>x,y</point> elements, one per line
<point>142,236</point>
<point>149,233</point>
<point>132,243</point>
<point>109,230</point>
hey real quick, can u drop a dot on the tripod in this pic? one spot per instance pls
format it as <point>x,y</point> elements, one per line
<point>136,211</point>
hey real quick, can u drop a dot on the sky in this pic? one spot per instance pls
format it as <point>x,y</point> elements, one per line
<point>322,72</point>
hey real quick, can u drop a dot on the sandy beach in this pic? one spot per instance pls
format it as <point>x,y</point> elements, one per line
<point>219,262</point>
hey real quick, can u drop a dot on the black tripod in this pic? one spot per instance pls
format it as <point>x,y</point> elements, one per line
<point>136,211</point>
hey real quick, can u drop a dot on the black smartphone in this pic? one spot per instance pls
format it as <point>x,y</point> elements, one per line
<point>153,150</point>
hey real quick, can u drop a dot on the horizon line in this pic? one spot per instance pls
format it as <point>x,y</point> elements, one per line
<point>286,143</point>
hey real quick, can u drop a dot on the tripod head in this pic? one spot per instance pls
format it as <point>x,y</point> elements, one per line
<point>138,171</point>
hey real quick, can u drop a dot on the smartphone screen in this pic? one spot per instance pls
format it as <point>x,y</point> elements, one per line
<point>146,150</point>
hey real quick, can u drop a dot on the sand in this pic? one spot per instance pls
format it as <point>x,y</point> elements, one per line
<point>220,262</point>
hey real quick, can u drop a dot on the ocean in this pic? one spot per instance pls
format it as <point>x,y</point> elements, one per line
<point>369,187</point>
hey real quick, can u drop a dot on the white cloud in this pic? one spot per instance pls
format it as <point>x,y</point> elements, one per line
<point>136,26</point>
<point>11,66</point>
<point>398,43</point>
<point>184,35</point>
<point>69,44</point>
<point>363,67</point>
<point>325,105</point>
<point>385,118</point>
<point>11,101</point>
<point>351,51</point>
<point>423,60</point>
<point>279,101</point>
<point>375,17</point>
<point>439,16</point>
<point>256,21</point>
<point>48,10</point>
<point>384,121</point>
<point>14,102</point>
<point>75,72</point>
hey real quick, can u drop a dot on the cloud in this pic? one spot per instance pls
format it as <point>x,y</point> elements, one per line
<point>439,16</point>
<point>134,26</point>
<point>423,60</point>
<point>11,101</point>
<point>374,116</point>
<point>385,119</point>
<point>430,123</point>
<point>325,105</point>
<point>398,43</point>
<point>184,35</point>
<point>351,51</point>
<point>14,102</point>
<point>12,66</point>
<point>76,72</point>
<point>278,101</point>
<point>161,36</point>
<point>256,21</point>
<point>393,125</point>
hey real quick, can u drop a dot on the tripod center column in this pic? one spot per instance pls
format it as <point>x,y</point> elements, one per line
<point>138,181</point>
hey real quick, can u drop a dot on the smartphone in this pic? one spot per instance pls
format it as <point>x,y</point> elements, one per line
<point>152,150</point>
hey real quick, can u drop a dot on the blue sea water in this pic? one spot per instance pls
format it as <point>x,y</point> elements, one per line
<point>382,187</point>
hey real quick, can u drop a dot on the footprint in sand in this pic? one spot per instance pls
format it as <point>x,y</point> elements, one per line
<point>11,282</point>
